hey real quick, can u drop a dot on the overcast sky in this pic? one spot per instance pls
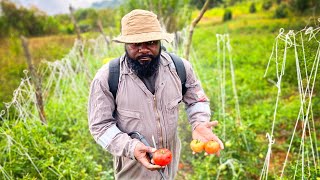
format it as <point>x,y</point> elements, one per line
<point>52,7</point>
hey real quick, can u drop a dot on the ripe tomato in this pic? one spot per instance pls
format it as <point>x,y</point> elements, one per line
<point>211,147</point>
<point>162,157</point>
<point>197,145</point>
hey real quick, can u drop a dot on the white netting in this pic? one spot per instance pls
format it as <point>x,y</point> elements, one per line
<point>307,158</point>
<point>58,77</point>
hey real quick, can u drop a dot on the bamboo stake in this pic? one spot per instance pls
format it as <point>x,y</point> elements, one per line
<point>35,79</point>
<point>193,25</point>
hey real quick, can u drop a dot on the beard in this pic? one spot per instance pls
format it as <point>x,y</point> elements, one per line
<point>144,69</point>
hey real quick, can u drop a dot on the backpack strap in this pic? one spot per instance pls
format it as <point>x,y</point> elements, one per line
<point>114,74</point>
<point>181,70</point>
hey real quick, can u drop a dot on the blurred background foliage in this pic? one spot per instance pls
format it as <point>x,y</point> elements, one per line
<point>64,149</point>
<point>16,20</point>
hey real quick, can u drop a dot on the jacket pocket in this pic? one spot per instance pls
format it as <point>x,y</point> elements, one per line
<point>128,120</point>
<point>172,109</point>
<point>172,114</point>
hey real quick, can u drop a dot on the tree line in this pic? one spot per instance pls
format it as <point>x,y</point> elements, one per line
<point>175,14</point>
<point>16,19</point>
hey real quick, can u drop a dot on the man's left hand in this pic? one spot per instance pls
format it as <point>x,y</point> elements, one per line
<point>203,132</point>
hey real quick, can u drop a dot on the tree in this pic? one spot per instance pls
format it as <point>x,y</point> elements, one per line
<point>199,3</point>
<point>25,21</point>
<point>174,14</point>
<point>300,5</point>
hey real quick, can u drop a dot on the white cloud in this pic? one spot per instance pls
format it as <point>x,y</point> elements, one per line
<point>57,6</point>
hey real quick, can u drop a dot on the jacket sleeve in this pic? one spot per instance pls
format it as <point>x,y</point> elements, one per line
<point>197,103</point>
<point>102,125</point>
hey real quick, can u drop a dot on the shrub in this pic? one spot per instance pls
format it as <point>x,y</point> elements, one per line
<point>281,11</point>
<point>252,8</point>
<point>300,5</point>
<point>227,15</point>
<point>266,5</point>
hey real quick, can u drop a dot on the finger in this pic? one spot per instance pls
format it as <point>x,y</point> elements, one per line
<point>215,138</point>
<point>148,165</point>
<point>150,149</point>
<point>211,124</point>
<point>145,148</point>
<point>203,139</point>
<point>218,153</point>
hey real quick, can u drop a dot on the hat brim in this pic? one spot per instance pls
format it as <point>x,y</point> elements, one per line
<point>144,37</point>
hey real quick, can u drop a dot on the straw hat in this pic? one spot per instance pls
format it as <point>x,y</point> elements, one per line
<point>141,26</point>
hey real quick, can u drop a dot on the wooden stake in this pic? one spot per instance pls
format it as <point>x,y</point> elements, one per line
<point>103,34</point>
<point>193,25</point>
<point>73,19</point>
<point>35,79</point>
<point>76,27</point>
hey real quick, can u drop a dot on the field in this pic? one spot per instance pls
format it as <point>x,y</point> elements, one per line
<point>243,100</point>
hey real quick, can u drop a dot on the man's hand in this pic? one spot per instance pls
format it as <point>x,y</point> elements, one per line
<point>203,132</point>
<point>140,153</point>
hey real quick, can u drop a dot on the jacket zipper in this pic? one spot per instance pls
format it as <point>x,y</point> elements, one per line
<point>158,120</point>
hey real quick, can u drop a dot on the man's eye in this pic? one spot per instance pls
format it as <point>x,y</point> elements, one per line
<point>137,44</point>
<point>152,42</point>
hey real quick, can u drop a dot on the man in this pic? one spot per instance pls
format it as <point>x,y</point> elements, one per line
<point>147,100</point>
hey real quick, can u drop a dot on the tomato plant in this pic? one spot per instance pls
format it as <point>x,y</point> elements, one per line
<point>211,147</point>
<point>162,157</point>
<point>197,145</point>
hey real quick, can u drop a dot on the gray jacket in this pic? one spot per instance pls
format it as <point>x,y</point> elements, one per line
<point>140,110</point>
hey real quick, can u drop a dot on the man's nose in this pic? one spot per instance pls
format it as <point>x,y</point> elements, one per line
<point>143,48</point>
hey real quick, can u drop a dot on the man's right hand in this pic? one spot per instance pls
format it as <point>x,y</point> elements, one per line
<point>140,153</point>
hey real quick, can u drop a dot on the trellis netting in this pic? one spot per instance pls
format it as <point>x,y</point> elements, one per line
<point>302,48</point>
<point>65,88</point>
<point>63,81</point>
<point>55,77</point>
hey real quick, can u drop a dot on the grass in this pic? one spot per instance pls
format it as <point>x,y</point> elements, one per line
<point>12,59</point>
<point>64,148</point>
<point>252,37</point>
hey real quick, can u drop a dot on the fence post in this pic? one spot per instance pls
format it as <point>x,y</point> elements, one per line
<point>35,79</point>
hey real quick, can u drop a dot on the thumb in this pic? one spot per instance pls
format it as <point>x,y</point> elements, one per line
<point>211,124</point>
<point>147,148</point>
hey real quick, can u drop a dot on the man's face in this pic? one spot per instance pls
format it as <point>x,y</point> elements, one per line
<point>143,52</point>
<point>143,57</point>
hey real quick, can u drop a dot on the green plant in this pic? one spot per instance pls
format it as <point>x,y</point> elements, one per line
<point>252,8</point>
<point>300,5</point>
<point>266,5</point>
<point>227,15</point>
<point>281,11</point>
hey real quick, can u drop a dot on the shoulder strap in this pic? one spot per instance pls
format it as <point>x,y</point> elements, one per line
<point>180,70</point>
<point>114,73</point>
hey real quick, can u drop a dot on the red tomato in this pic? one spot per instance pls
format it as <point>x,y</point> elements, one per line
<point>211,147</point>
<point>197,145</point>
<point>162,157</point>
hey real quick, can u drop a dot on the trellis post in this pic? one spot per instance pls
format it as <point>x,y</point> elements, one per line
<point>35,79</point>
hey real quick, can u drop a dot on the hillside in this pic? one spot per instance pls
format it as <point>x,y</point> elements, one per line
<point>106,4</point>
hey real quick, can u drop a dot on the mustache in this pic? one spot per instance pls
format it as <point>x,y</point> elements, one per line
<point>146,56</point>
